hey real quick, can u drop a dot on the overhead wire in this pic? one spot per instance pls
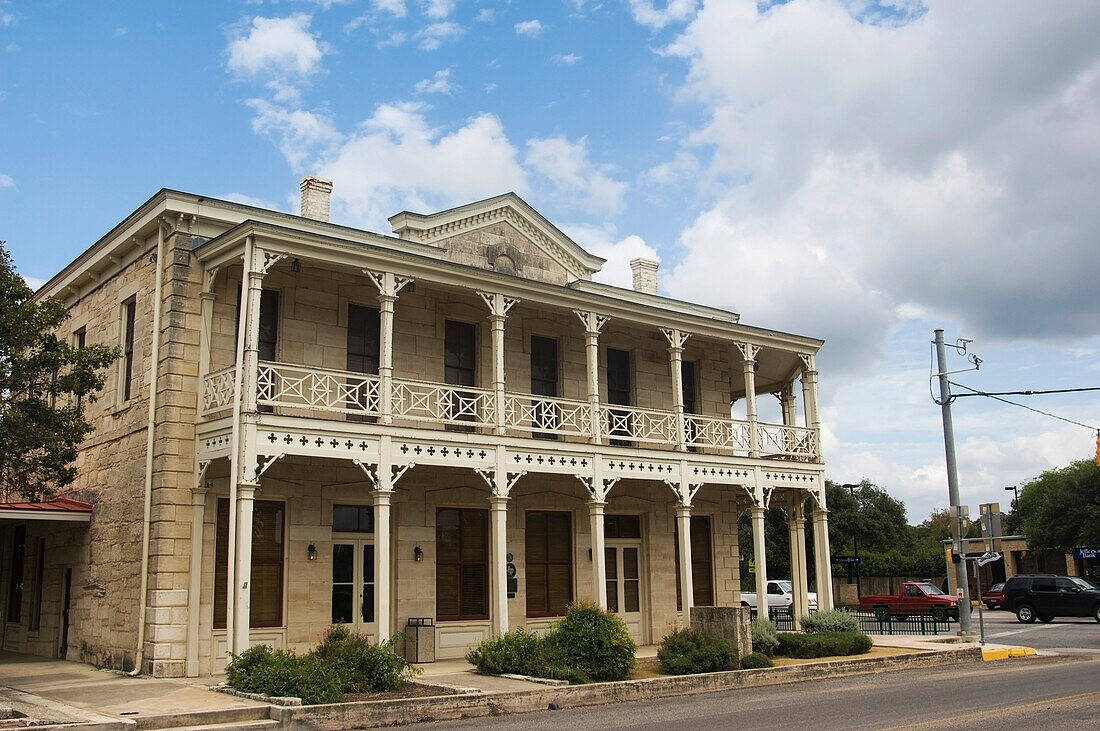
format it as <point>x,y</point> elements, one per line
<point>997,397</point>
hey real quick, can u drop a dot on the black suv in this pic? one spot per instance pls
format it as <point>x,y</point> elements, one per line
<point>1046,596</point>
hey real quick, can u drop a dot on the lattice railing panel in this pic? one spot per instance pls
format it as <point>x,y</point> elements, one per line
<point>433,402</point>
<point>644,425</point>
<point>217,392</point>
<point>546,414</point>
<point>317,389</point>
<point>787,441</point>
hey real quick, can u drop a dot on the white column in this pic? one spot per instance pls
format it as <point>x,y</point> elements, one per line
<point>498,516</point>
<point>787,404</point>
<point>800,603</point>
<point>822,560</point>
<point>389,285</point>
<point>194,589</point>
<point>246,493</point>
<point>760,557</point>
<point>599,568</point>
<point>809,401</point>
<point>748,361</point>
<point>687,593</point>
<point>593,323</point>
<point>499,305</point>
<point>383,601</point>
<point>676,340</point>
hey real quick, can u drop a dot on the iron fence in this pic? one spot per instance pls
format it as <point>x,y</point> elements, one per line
<point>912,624</point>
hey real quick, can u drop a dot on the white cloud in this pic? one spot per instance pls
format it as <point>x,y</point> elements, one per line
<point>673,172</point>
<point>396,8</point>
<point>575,179</point>
<point>7,20</point>
<point>6,181</point>
<point>438,9</point>
<point>568,59</point>
<point>438,84</point>
<point>300,135</point>
<point>120,31</point>
<point>674,11</point>
<point>250,200</point>
<point>486,15</point>
<point>396,160</point>
<point>432,36</point>
<point>276,46</point>
<point>529,28</point>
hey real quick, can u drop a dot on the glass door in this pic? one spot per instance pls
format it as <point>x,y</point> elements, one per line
<point>353,585</point>
<point>624,586</point>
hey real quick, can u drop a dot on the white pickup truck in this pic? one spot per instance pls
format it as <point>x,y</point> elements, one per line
<point>779,596</point>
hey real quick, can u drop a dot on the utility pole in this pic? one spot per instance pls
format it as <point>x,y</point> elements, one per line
<point>965,626</point>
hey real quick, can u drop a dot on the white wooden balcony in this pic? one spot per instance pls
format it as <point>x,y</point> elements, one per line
<point>323,393</point>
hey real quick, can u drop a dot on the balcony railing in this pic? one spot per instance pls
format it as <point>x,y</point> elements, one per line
<point>318,391</point>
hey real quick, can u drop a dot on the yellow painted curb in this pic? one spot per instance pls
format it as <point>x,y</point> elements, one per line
<point>1003,653</point>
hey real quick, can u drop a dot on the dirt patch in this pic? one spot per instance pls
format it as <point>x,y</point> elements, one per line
<point>405,690</point>
<point>874,652</point>
<point>646,669</point>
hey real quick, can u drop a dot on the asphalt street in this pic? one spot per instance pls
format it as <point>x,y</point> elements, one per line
<point>1064,635</point>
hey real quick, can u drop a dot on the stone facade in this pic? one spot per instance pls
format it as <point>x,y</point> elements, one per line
<point>274,423</point>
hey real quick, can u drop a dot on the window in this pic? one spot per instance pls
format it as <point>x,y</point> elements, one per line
<point>15,587</point>
<point>691,432</point>
<point>459,366</point>
<point>268,540</point>
<point>618,394</point>
<point>352,519</point>
<point>702,570</point>
<point>129,315</point>
<point>36,596</point>
<point>364,345</point>
<point>549,562</point>
<point>544,382</point>
<point>622,526</point>
<point>80,339</point>
<point>462,571</point>
<point>269,323</point>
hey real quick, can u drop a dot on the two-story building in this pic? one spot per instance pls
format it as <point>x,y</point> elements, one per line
<point>313,424</point>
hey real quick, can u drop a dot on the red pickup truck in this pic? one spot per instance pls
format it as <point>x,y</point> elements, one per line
<point>913,597</point>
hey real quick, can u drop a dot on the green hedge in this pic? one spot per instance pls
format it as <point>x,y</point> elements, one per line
<point>690,651</point>
<point>764,636</point>
<point>755,660</point>
<point>823,644</point>
<point>833,620</point>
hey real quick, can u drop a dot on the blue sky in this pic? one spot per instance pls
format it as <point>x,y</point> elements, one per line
<point>855,170</point>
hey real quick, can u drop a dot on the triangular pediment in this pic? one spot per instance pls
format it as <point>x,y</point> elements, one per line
<point>502,234</point>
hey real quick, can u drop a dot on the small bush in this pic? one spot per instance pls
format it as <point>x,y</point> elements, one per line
<point>834,620</point>
<point>589,644</point>
<point>823,644</point>
<point>361,666</point>
<point>756,660</point>
<point>764,636</point>
<point>689,651</point>
<point>517,651</point>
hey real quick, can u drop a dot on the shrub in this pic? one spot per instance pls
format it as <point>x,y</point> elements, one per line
<point>823,644</point>
<point>690,651</point>
<point>756,660</point>
<point>764,636</point>
<point>589,644</point>
<point>361,666</point>
<point>517,651</point>
<point>834,620</point>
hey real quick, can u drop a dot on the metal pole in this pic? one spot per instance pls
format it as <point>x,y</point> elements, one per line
<point>981,616</point>
<point>965,627</point>
<point>855,539</point>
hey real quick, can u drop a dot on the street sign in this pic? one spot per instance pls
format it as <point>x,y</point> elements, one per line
<point>989,557</point>
<point>846,559</point>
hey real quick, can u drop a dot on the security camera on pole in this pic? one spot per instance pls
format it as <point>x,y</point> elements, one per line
<point>958,512</point>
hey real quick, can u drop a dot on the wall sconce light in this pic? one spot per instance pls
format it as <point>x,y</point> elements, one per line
<point>311,552</point>
<point>418,554</point>
<point>296,265</point>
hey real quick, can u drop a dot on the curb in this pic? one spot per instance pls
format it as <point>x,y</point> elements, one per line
<point>367,714</point>
<point>1004,653</point>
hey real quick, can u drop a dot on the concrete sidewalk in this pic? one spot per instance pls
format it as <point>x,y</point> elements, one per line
<point>63,692</point>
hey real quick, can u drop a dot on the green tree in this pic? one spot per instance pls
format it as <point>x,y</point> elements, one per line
<point>1061,508</point>
<point>44,385</point>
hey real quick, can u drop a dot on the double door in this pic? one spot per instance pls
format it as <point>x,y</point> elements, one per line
<point>353,585</point>
<point>625,592</point>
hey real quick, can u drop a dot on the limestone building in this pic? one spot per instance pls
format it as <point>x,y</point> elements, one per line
<point>453,424</point>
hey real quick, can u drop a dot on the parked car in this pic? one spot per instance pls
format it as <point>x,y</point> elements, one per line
<point>913,597</point>
<point>1046,596</point>
<point>995,597</point>
<point>780,597</point>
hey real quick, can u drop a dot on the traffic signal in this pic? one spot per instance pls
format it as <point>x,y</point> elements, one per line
<point>1098,448</point>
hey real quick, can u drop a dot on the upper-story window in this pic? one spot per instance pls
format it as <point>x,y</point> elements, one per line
<point>544,382</point>
<point>619,393</point>
<point>269,323</point>
<point>460,368</point>
<point>129,317</point>
<point>690,392</point>
<point>364,339</point>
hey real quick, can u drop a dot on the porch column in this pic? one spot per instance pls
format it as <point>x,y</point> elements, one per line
<point>389,285</point>
<point>809,403</point>
<point>593,323</point>
<point>823,573</point>
<point>194,589</point>
<point>795,524</point>
<point>748,362</point>
<point>687,589</point>
<point>499,305</point>
<point>787,404</point>
<point>206,307</point>
<point>599,567</point>
<point>383,601</point>
<point>761,559</point>
<point>246,494</point>
<point>498,515</point>
<point>676,340</point>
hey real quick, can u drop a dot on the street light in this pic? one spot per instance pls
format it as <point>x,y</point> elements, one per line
<point>1015,498</point>
<point>851,488</point>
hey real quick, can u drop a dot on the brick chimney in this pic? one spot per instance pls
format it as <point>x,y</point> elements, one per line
<point>645,275</point>
<point>315,196</point>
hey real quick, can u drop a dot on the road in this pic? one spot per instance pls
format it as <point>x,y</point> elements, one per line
<point>1067,635</point>
<point>1050,692</point>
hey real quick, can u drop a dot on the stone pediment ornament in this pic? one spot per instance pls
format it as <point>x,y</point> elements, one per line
<point>508,208</point>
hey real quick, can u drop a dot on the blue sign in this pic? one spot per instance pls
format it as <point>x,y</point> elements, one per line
<point>846,559</point>
<point>1082,553</point>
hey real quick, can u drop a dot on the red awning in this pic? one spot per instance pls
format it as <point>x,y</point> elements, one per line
<point>60,509</point>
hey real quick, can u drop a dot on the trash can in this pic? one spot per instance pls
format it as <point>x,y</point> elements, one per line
<point>420,639</point>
